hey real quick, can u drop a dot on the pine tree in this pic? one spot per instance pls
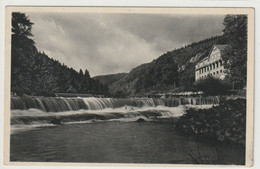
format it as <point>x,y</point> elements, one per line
<point>22,54</point>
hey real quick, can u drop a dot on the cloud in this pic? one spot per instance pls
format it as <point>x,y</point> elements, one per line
<point>113,43</point>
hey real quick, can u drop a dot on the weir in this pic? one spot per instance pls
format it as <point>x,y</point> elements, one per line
<point>60,104</point>
<point>40,111</point>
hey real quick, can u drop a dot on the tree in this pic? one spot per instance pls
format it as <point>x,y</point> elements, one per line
<point>21,25</point>
<point>87,74</point>
<point>80,72</point>
<point>21,29</point>
<point>22,53</point>
<point>211,86</point>
<point>235,55</point>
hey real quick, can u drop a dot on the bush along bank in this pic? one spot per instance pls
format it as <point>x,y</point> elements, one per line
<point>223,123</point>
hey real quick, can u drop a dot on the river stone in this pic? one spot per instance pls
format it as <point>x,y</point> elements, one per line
<point>140,120</point>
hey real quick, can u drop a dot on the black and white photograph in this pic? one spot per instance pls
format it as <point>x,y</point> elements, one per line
<point>127,86</point>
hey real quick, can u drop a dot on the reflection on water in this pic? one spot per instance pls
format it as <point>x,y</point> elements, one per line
<point>118,142</point>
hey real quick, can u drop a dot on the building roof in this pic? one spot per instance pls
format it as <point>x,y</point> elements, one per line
<point>220,47</point>
<point>203,59</point>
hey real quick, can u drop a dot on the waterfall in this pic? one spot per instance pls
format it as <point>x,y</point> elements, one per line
<point>60,104</point>
<point>28,112</point>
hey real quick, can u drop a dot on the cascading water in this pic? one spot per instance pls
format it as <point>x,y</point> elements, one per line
<point>40,111</point>
<point>58,104</point>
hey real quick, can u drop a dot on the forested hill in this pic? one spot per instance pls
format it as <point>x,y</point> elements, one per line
<point>175,70</point>
<point>172,69</point>
<point>109,79</point>
<point>34,73</point>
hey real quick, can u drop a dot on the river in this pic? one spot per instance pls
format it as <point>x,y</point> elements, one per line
<point>105,130</point>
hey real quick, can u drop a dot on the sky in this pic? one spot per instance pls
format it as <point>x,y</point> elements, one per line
<point>115,43</point>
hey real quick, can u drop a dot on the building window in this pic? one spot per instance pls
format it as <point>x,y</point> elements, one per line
<point>217,64</point>
<point>213,73</point>
<point>217,72</point>
<point>220,71</point>
<point>220,63</point>
<point>213,66</point>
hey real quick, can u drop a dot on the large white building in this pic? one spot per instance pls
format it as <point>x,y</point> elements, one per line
<point>212,64</point>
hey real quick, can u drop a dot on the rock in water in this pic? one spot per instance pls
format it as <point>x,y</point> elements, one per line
<point>140,120</point>
<point>56,121</point>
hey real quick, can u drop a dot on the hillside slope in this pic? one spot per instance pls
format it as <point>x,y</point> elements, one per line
<point>172,69</point>
<point>109,79</point>
<point>35,73</point>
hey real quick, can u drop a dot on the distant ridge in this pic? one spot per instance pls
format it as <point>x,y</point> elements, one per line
<point>110,78</point>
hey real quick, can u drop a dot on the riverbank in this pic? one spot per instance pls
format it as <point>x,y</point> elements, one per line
<point>223,123</point>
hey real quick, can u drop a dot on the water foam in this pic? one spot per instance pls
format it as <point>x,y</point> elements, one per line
<point>58,104</point>
<point>23,120</point>
<point>33,112</point>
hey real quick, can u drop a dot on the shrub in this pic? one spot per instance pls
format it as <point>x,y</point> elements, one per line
<point>212,86</point>
<point>226,122</point>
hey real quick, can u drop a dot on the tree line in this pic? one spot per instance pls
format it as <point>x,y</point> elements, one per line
<point>34,73</point>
